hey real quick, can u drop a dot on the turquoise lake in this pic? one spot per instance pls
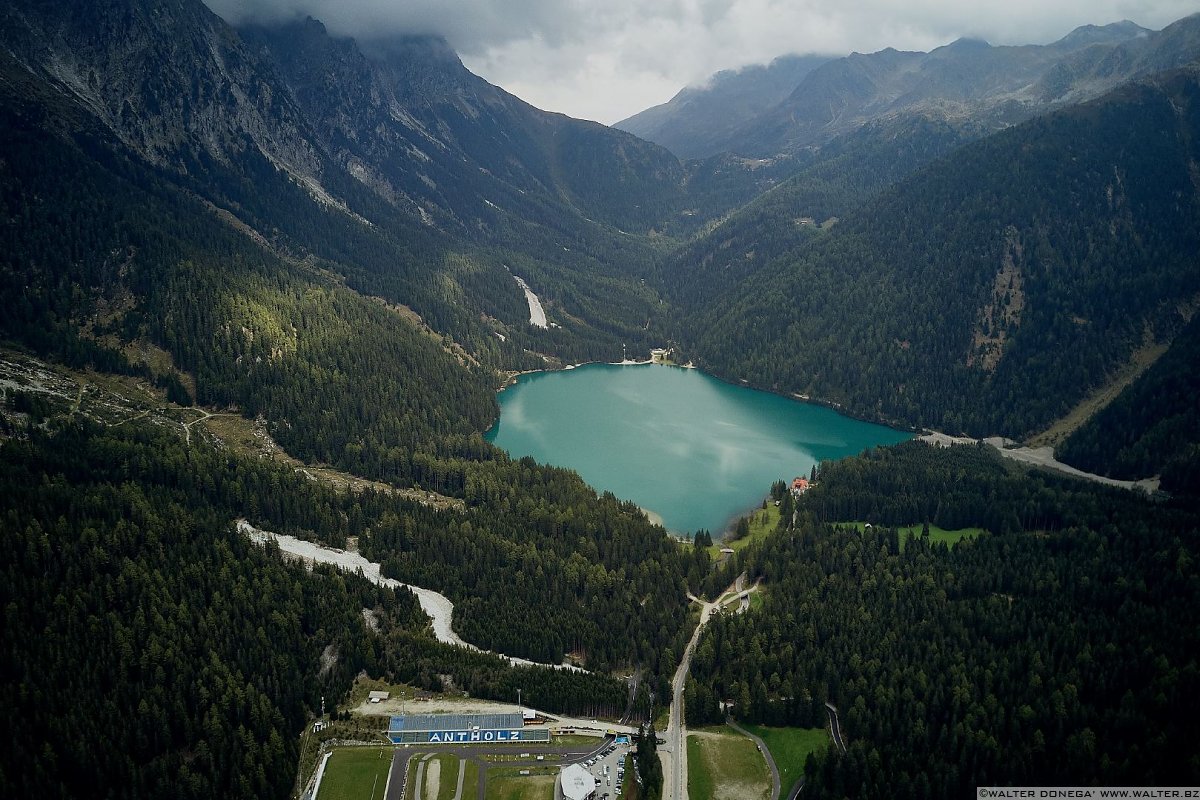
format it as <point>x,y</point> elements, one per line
<point>693,450</point>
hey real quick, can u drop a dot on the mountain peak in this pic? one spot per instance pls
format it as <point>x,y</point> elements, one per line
<point>1112,33</point>
<point>967,43</point>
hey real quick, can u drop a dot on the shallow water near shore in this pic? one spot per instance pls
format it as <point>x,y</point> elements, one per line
<point>682,444</point>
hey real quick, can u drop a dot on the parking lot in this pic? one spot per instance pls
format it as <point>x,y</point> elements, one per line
<point>607,767</point>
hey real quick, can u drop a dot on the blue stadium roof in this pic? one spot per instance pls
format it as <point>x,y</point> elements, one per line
<point>454,722</point>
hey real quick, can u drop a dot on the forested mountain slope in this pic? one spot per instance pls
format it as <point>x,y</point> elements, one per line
<point>1151,428</point>
<point>150,650</point>
<point>177,100</point>
<point>989,291</point>
<point>394,171</point>
<point>1058,648</point>
<point>230,281</point>
<point>828,184</point>
<point>154,649</point>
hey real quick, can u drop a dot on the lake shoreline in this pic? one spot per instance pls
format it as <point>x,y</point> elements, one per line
<point>510,377</point>
<point>695,450</point>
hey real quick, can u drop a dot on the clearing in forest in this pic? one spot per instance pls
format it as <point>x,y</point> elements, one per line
<point>724,765</point>
<point>790,748</point>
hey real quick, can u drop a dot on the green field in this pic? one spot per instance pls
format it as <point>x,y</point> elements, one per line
<point>356,773</point>
<point>700,776</point>
<point>724,765</point>
<point>762,522</point>
<point>790,747</point>
<point>471,779</point>
<point>508,784</point>
<point>936,534</point>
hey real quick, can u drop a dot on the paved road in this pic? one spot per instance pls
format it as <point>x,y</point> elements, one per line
<point>834,728</point>
<point>762,747</point>
<point>673,755</point>
<point>462,774</point>
<point>395,784</point>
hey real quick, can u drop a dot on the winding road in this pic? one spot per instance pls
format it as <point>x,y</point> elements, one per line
<point>762,748</point>
<point>834,728</point>
<point>674,754</point>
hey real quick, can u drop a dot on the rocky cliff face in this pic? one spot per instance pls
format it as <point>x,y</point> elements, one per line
<point>405,117</point>
<point>170,79</point>
<point>388,165</point>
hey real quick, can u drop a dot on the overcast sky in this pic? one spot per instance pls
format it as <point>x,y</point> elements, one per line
<point>608,59</point>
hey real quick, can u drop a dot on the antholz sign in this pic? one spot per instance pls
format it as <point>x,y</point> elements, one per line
<point>470,737</point>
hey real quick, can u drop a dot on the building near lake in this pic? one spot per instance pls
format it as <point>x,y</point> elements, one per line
<point>462,729</point>
<point>577,783</point>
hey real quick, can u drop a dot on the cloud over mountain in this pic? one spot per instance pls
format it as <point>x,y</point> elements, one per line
<point>608,60</point>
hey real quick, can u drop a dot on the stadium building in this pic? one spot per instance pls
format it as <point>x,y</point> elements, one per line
<point>463,729</point>
<point>577,783</point>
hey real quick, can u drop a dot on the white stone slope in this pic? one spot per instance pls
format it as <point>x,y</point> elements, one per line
<point>436,605</point>
<point>537,315</point>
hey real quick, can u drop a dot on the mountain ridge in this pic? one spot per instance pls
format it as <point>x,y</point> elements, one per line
<point>967,79</point>
<point>688,126</point>
<point>1024,199</point>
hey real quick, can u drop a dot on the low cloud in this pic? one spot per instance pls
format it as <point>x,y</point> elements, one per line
<point>606,61</point>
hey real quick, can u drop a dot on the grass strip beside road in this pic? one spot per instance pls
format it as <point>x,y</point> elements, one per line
<point>630,788</point>
<point>448,780</point>
<point>701,781</point>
